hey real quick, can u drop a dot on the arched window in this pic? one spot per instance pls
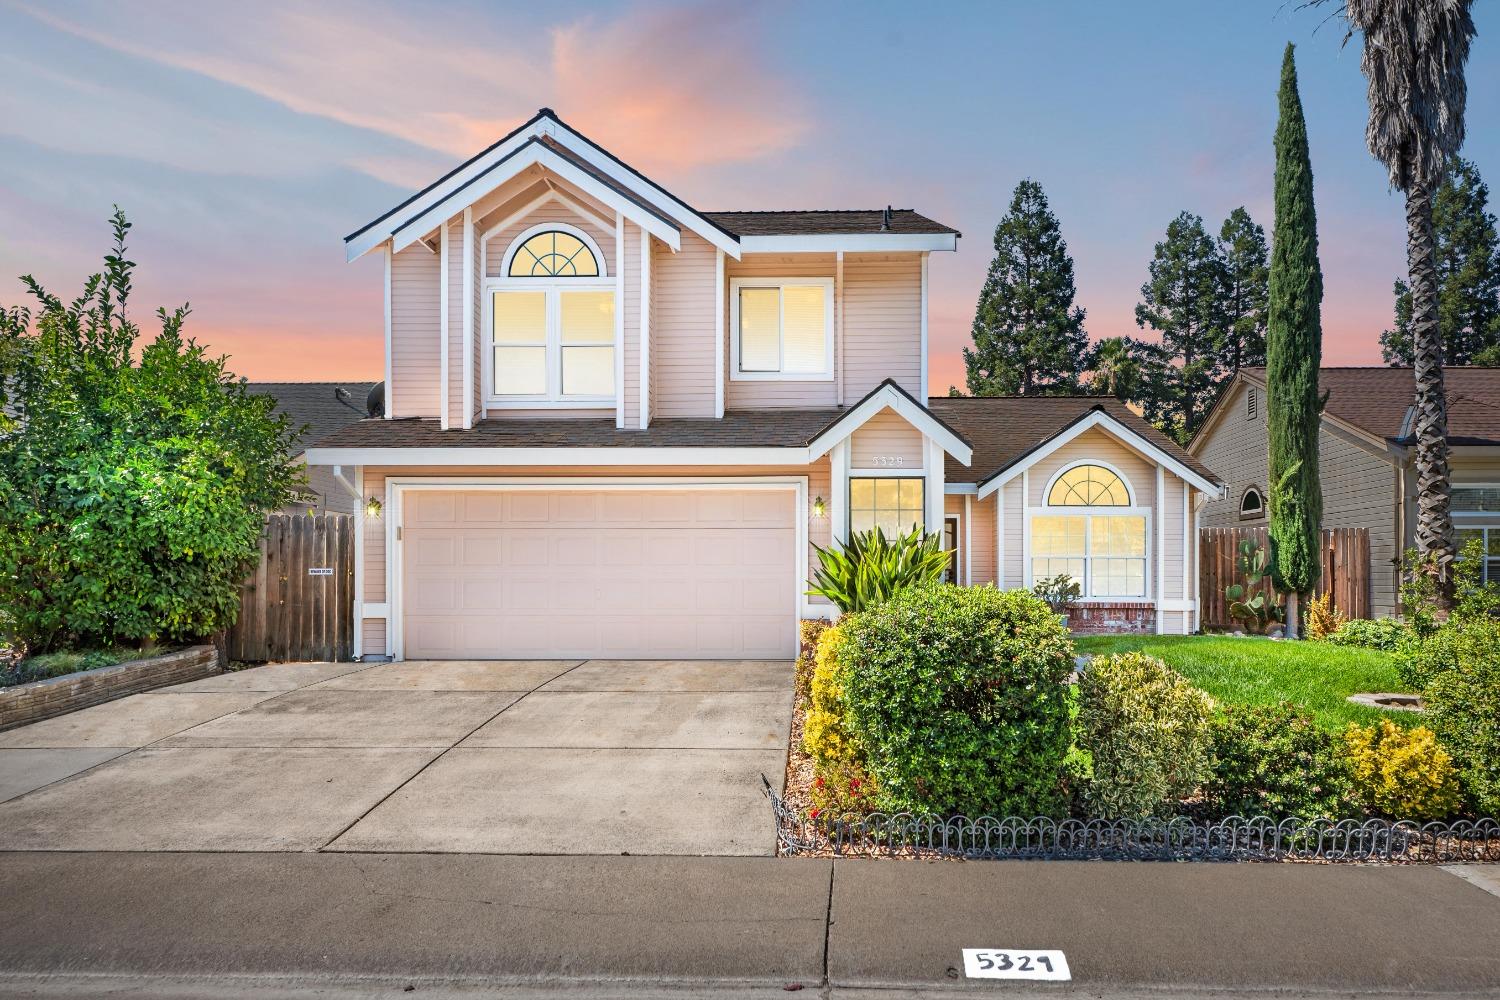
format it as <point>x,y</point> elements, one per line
<point>1077,534</point>
<point>1252,504</point>
<point>553,254</point>
<point>1088,486</point>
<point>551,323</point>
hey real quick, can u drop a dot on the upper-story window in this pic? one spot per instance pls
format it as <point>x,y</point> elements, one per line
<point>781,328</point>
<point>1089,529</point>
<point>551,322</point>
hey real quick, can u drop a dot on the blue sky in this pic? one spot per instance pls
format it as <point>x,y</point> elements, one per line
<point>245,140</point>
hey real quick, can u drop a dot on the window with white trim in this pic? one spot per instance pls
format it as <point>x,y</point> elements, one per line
<point>551,322</point>
<point>781,328</point>
<point>1252,504</point>
<point>1476,515</point>
<point>894,504</point>
<point>1089,530</point>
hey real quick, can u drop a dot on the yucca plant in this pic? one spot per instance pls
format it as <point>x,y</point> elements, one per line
<point>869,568</point>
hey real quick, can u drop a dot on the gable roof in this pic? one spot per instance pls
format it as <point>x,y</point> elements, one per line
<point>1006,430</point>
<point>1379,400</point>
<point>313,405</point>
<point>889,395</point>
<point>545,138</point>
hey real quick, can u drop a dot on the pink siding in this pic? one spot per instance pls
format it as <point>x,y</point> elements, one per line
<point>632,379</point>
<point>682,329</point>
<point>882,323</point>
<point>1015,540</point>
<point>414,332</point>
<point>818,484</point>
<point>980,533</point>
<point>885,440</point>
<point>757,395</point>
<point>456,322</point>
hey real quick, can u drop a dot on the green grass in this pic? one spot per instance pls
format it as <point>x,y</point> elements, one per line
<point>1257,671</point>
<point>62,662</point>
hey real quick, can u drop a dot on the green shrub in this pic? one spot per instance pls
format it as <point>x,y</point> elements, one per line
<point>869,567</point>
<point>1146,729</point>
<point>1272,760</point>
<point>808,633</point>
<point>958,697</point>
<point>134,475</point>
<point>1381,633</point>
<point>1463,706</point>
<point>1402,773</point>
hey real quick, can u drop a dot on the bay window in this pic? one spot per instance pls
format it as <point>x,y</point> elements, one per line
<point>781,328</point>
<point>1089,531</point>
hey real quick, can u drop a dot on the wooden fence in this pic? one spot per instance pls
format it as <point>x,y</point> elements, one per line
<point>299,603</point>
<point>1346,570</point>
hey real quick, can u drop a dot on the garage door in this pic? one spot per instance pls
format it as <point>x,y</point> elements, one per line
<point>522,574</point>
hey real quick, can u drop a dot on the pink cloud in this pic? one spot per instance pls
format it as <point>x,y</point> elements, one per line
<point>677,88</point>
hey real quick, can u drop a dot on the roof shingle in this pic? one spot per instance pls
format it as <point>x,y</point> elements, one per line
<point>843,222</point>
<point>1376,400</point>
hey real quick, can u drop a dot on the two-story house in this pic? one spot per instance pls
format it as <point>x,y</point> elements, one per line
<point>616,426</point>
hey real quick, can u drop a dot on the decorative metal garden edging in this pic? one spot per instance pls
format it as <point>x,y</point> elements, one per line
<point>1259,838</point>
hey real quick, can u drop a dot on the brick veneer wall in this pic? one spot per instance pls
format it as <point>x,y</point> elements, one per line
<point>1118,616</point>
<point>59,695</point>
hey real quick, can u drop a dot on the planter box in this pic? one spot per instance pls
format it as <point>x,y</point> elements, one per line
<point>44,699</point>
<point>1116,617</point>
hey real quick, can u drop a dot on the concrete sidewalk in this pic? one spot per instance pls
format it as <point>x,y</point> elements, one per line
<point>338,925</point>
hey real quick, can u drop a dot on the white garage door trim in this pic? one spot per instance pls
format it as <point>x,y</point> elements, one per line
<point>397,486</point>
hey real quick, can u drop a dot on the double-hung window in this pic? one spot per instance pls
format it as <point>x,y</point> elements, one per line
<point>551,319</point>
<point>1089,530</point>
<point>781,328</point>
<point>1476,515</point>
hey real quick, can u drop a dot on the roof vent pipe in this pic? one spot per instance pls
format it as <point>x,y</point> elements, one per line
<point>885,220</point>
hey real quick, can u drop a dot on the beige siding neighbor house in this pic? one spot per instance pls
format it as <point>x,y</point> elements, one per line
<point>616,426</point>
<point>1365,458</point>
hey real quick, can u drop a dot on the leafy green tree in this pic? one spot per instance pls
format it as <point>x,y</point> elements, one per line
<point>1468,269</point>
<point>1246,272</point>
<point>1488,358</point>
<point>1294,351</point>
<point>134,477</point>
<point>1181,300</point>
<point>1028,334</point>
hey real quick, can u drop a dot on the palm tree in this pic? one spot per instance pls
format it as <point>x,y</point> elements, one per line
<point>1414,55</point>
<point>1115,370</point>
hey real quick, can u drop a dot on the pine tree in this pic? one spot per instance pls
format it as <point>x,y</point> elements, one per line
<point>1182,302</point>
<point>1028,334</point>
<point>1244,256</point>
<point>1468,269</point>
<point>1294,350</point>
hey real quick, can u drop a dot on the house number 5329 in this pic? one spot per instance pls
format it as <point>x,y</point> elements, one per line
<point>889,461</point>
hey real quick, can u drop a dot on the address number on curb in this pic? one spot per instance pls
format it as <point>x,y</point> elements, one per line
<point>1012,963</point>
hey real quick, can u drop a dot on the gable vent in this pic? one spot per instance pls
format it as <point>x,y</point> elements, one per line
<point>1252,403</point>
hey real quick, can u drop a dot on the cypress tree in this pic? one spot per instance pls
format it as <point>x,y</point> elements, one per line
<point>1294,351</point>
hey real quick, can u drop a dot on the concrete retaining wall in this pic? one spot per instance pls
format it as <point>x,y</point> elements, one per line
<point>58,695</point>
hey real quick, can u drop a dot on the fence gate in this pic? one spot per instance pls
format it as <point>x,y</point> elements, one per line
<point>1346,570</point>
<point>299,603</point>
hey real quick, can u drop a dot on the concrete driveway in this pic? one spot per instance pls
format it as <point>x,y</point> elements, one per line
<point>507,757</point>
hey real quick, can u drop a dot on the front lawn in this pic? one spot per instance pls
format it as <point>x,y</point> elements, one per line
<point>1254,671</point>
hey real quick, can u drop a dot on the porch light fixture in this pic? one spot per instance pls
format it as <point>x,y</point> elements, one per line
<point>373,506</point>
<point>819,508</point>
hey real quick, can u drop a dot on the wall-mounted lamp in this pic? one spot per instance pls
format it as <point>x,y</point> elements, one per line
<point>819,508</point>
<point>373,506</point>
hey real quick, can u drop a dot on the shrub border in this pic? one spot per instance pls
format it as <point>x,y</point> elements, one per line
<point>54,696</point>
<point>1259,838</point>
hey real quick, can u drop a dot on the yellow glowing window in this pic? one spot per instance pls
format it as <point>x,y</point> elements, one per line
<point>553,254</point>
<point>1088,486</point>
<point>890,504</point>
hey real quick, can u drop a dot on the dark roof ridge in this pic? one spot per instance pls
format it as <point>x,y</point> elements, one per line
<point>801,211</point>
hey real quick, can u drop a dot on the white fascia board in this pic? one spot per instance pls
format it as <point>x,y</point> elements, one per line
<point>1115,429</point>
<point>560,457</point>
<point>850,243</point>
<point>581,146</point>
<point>538,155</point>
<point>912,413</point>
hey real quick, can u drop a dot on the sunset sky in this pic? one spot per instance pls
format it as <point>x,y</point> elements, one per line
<point>245,140</point>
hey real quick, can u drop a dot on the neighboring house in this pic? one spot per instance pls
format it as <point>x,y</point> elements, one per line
<point>1365,458</point>
<point>316,407</point>
<point>616,426</point>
